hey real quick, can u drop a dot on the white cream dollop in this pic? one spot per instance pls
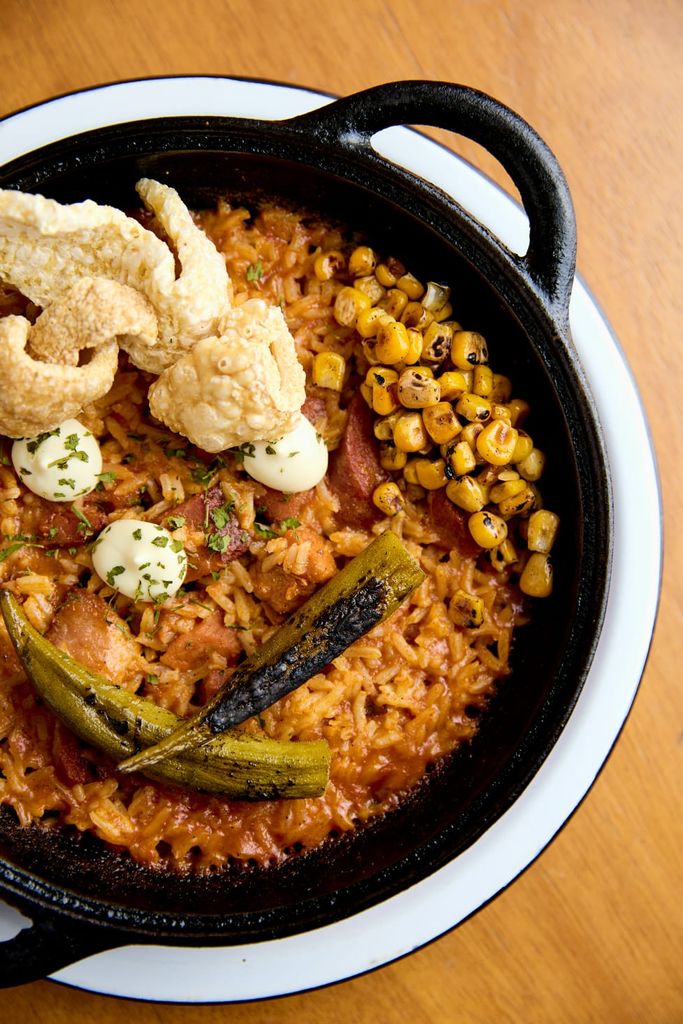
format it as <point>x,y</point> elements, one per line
<point>61,464</point>
<point>293,463</point>
<point>140,560</point>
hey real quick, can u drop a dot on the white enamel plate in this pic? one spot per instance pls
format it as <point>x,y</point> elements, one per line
<point>438,903</point>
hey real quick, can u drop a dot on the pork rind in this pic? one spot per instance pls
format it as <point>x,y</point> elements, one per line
<point>90,313</point>
<point>246,385</point>
<point>45,247</point>
<point>37,394</point>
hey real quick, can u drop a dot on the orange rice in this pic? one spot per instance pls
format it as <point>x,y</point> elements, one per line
<point>399,699</point>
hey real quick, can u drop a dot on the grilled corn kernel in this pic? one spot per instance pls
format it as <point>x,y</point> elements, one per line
<point>445,313</point>
<point>466,493</point>
<point>383,381</point>
<point>461,459</point>
<point>517,504</point>
<point>542,530</point>
<point>453,384</point>
<point>441,422</point>
<point>348,304</point>
<point>392,458</point>
<point>327,264</point>
<point>381,375</point>
<point>410,472</point>
<point>466,610</point>
<point>431,474</point>
<point>436,296</point>
<point>328,370</point>
<point>538,498</point>
<point>371,287</point>
<point>473,408</point>
<point>436,343</point>
<point>482,381</point>
<point>537,576</point>
<point>519,410</point>
<point>414,347</point>
<point>392,342</point>
<point>507,489</point>
<point>502,388</point>
<point>496,442</point>
<point>362,261</point>
<point>366,392</point>
<point>499,411</point>
<point>370,351</point>
<point>468,349</point>
<point>394,302</point>
<point>383,428</point>
<point>531,468</point>
<point>470,433</point>
<point>389,272</point>
<point>388,499</point>
<point>409,284</point>
<point>417,390</point>
<point>416,316</point>
<point>409,433</point>
<point>369,320</point>
<point>503,555</point>
<point>385,398</point>
<point>488,530</point>
<point>523,447</point>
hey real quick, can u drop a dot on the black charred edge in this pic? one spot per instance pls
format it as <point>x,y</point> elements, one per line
<point>335,629</point>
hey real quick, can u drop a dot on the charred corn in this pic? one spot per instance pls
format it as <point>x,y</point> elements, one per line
<point>329,369</point>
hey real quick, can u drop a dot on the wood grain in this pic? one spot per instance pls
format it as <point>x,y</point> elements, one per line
<point>592,931</point>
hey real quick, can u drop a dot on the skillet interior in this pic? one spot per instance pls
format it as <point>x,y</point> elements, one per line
<point>457,802</point>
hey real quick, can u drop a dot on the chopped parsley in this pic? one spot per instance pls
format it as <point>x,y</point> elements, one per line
<point>34,445</point>
<point>271,450</point>
<point>113,573</point>
<point>105,478</point>
<point>289,524</point>
<point>67,482</point>
<point>52,532</point>
<point>175,522</point>
<point>221,516</point>
<point>137,534</point>
<point>255,271</point>
<point>84,524</point>
<point>264,531</point>
<point>217,542</point>
<point>202,474</point>
<point>11,550</point>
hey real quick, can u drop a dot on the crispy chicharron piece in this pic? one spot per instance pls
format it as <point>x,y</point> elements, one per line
<point>45,247</point>
<point>246,385</point>
<point>91,312</point>
<point>37,395</point>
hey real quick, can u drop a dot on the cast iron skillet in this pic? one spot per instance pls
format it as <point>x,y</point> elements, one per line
<point>83,898</point>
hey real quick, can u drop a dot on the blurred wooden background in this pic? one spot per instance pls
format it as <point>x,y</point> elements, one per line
<point>592,932</point>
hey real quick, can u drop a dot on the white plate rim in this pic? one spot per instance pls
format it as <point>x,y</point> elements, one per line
<point>392,929</point>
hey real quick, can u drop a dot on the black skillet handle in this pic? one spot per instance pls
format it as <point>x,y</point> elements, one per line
<point>50,943</point>
<point>550,260</point>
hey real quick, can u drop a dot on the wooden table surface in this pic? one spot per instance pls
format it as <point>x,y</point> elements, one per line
<point>592,931</point>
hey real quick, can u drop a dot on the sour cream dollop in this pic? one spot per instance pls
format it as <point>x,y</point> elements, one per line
<point>140,560</point>
<point>60,464</point>
<point>293,463</point>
